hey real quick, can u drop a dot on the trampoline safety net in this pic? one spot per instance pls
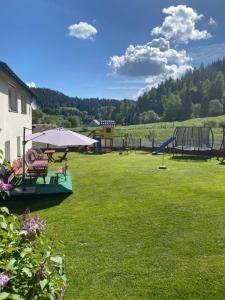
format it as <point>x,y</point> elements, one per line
<point>193,138</point>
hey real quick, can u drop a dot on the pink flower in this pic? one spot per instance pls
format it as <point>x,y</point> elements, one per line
<point>5,187</point>
<point>4,279</point>
<point>34,225</point>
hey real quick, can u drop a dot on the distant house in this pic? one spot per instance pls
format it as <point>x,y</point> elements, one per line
<point>94,123</point>
<point>15,112</point>
<point>108,123</point>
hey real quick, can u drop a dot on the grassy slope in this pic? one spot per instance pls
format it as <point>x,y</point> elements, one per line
<point>132,231</point>
<point>164,130</point>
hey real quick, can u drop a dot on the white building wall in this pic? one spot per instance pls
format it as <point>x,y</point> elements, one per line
<point>12,123</point>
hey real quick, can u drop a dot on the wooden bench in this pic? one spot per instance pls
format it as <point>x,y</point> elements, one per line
<point>35,173</point>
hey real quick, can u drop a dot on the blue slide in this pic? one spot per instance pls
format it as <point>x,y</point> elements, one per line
<point>98,146</point>
<point>163,145</point>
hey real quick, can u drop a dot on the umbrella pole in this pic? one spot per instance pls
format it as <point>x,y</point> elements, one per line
<point>24,161</point>
<point>24,144</point>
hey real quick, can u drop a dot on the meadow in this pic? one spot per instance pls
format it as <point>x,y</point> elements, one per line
<point>164,130</point>
<point>132,231</point>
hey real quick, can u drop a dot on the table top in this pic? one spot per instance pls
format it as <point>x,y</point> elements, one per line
<point>49,151</point>
<point>40,163</point>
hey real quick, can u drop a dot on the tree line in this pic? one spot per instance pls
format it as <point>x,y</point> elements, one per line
<point>199,93</point>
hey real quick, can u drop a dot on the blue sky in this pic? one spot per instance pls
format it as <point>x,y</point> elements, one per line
<point>82,47</point>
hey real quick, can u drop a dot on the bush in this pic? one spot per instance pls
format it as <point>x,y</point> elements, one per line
<point>215,107</point>
<point>148,117</point>
<point>196,110</point>
<point>30,264</point>
<point>210,123</point>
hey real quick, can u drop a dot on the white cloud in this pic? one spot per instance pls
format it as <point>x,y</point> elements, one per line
<point>152,59</point>
<point>180,24</point>
<point>31,84</point>
<point>155,61</point>
<point>212,21</point>
<point>82,31</point>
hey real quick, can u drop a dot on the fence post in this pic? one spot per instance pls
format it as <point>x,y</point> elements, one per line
<point>140,143</point>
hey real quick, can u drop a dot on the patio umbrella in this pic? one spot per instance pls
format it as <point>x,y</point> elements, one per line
<point>57,137</point>
<point>61,137</point>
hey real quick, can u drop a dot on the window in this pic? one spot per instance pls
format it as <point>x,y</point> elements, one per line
<point>23,105</point>
<point>18,147</point>
<point>13,106</point>
<point>7,151</point>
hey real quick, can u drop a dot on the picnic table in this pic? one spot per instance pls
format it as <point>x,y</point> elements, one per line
<point>50,155</point>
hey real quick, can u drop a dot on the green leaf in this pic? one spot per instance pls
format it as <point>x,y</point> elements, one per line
<point>27,271</point>
<point>2,218</point>
<point>11,263</point>
<point>43,283</point>
<point>4,295</point>
<point>11,226</point>
<point>15,297</point>
<point>3,225</point>
<point>4,210</point>
<point>25,251</point>
<point>57,259</point>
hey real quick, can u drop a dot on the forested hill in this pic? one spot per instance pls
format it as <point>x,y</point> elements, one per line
<point>199,93</point>
<point>55,103</point>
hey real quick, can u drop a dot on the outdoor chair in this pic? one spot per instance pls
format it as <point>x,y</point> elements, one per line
<point>18,168</point>
<point>11,178</point>
<point>61,171</point>
<point>63,157</point>
<point>124,150</point>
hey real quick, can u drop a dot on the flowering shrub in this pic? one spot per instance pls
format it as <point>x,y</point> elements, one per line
<point>4,188</point>
<point>30,264</point>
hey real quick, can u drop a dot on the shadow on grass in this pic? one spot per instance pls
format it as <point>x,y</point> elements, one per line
<point>35,203</point>
<point>141,152</point>
<point>190,158</point>
<point>91,153</point>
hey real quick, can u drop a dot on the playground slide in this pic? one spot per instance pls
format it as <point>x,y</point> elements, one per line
<point>163,145</point>
<point>98,146</point>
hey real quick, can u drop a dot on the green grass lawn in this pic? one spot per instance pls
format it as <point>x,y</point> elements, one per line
<point>132,231</point>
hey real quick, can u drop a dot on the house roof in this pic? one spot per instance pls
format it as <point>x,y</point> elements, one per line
<point>95,121</point>
<point>6,69</point>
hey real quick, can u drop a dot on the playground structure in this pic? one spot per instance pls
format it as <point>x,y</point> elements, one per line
<point>163,145</point>
<point>106,132</point>
<point>185,140</point>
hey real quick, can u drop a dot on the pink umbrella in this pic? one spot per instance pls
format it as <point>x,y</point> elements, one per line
<point>61,137</point>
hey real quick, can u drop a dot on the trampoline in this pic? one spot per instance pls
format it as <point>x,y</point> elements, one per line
<point>193,139</point>
<point>221,153</point>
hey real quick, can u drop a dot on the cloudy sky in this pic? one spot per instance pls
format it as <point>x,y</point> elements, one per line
<point>112,49</point>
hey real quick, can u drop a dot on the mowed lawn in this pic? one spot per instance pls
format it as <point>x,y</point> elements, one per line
<point>132,231</point>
